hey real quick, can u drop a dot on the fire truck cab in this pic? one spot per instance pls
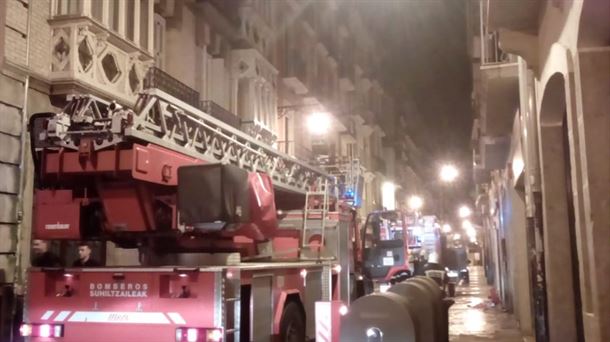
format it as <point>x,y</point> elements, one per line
<point>385,250</point>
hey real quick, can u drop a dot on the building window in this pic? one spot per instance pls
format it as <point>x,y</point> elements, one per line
<point>130,11</point>
<point>97,10</point>
<point>350,151</point>
<point>159,41</point>
<point>113,12</point>
<point>68,7</point>
<point>130,19</point>
<point>144,19</point>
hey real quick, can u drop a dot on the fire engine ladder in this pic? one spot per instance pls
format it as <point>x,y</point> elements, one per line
<point>231,304</point>
<point>314,219</point>
<point>166,121</point>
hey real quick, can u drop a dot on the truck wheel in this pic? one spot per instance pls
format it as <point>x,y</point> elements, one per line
<point>292,325</point>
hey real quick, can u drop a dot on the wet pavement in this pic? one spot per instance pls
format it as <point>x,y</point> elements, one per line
<point>474,318</point>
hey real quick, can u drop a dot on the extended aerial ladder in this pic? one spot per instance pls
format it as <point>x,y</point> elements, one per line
<point>160,124</point>
<point>164,120</point>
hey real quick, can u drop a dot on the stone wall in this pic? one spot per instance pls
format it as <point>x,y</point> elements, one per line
<point>11,215</point>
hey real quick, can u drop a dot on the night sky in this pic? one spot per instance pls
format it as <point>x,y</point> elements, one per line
<point>425,61</point>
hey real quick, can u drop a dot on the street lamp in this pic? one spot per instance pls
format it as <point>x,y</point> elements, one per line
<point>446,228</point>
<point>318,123</point>
<point>464,212</point>
<point>448,173</point>
<point>415,203</point>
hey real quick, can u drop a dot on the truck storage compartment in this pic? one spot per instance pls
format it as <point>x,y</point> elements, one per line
<point>56,215</point>
<point>214,195</point>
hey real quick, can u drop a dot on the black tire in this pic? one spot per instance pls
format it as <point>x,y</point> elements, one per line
<point>292,324</point>
<point>451,288</point>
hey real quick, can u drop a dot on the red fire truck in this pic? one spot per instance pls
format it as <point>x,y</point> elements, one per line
<point>225,250</point>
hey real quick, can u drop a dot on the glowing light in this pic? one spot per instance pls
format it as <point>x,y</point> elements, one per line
<point>469,228</point>
<point>57,330</point>
<point>464,211</point>
<point>415,203</point>
<point>192,334</point>
<point>25,330</point>
<point>384,287</point>
<point>318,123</point>
<point>183,275</point>
<point>337,268</point>
<point>68,275</point>
<point>388,195</point>
<point>457,236</point>
<point>373,332</point>
<point>45,330</point>
<point>446,228</point>
<point>304,273</point>
<point>343,310</point>
<point>215,335</point>
<point>467,225</point>
<point>474,321</point>
<point>518,166</point>
<point>448,173</point>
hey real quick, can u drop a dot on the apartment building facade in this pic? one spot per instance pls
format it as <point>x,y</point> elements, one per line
<point>260,66</point>
<point>541,145</point>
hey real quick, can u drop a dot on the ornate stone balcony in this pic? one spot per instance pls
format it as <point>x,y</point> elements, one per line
<point>88,56</point>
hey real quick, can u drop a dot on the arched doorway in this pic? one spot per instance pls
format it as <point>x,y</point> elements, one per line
<point>559,215</point>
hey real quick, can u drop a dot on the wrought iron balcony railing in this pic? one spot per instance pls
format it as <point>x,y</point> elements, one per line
<point>218,112</point>
<point>159,79</point>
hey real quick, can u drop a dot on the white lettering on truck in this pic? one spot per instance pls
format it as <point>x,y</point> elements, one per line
<point>114,290</point>
<point>57,226</point>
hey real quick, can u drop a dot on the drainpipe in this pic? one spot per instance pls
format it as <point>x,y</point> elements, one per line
<point>481,32</point>
<point>18,277</point>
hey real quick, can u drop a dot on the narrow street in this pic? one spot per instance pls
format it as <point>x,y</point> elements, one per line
<point>473,318</point>
<point>304,170</point>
